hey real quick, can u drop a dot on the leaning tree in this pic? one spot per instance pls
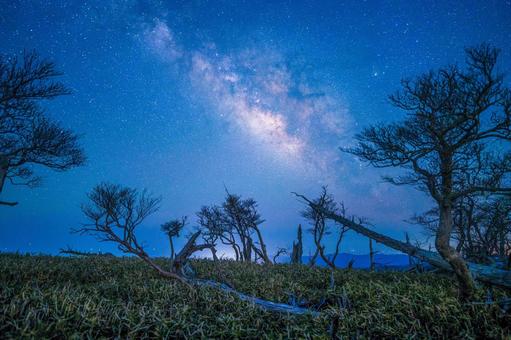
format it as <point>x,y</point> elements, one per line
<point>27,137</point>
<point>451,143</point>
<point>236,223</point>
<point>319,229</point>
<point>113,214</point>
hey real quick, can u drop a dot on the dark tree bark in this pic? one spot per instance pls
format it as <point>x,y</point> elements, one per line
<point>453,115</point>
<point>27,136</point>
<point>297,252</point>
<point>482,273</point>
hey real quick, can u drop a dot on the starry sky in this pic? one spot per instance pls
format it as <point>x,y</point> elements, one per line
<point>185,98</point>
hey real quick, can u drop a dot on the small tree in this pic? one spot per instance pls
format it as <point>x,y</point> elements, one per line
<point>319,228</point>
<point>448,142</point>
<point>214,229</point>
<point>172,229</point>
<point>27,137</point>
<point>114,213</point>
<point>235,223</point>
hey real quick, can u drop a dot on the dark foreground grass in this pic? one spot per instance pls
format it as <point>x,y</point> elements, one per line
<point>43,296</point>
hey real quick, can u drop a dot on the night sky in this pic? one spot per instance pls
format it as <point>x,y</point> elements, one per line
<point>185,98</point>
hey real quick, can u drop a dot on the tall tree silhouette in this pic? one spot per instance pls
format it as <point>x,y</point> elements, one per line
<point>451,143</point>
<point>27,137</point>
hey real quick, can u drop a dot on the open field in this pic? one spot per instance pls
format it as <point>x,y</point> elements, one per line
<point>44,296</point>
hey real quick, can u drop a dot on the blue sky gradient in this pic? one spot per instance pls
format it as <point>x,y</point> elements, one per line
<point>186,97</point>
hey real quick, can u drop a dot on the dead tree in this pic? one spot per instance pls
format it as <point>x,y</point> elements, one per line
<point>297,252</point>
<point>319,228</point>
<point>191,247</point>
<point>487,274</point>
<point>453,116</point>
<point>280,251</point>
<point>27,136</point>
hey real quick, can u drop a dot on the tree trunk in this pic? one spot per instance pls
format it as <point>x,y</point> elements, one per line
<point>213,253</point>
<point>442,239</point>
<point>296,254</point>
<point>482,273</point>
<point>4,165</point>
<point>371,255</point>
<point>171,248</point>
<point>312,260</point>
<point>263,252</point>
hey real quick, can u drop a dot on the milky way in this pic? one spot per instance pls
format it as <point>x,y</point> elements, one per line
<point>187,98</point>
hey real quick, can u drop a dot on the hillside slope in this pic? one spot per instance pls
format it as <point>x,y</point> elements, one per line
<point>44,296</point>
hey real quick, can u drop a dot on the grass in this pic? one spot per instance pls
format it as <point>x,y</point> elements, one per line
<point>48,297</point>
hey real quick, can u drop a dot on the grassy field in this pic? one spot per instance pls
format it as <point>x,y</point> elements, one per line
<point>44,296</point>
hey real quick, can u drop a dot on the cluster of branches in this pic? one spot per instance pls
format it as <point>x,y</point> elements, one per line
<point>481,228</point>
<point>451,143</point>
<point>114,213</point>
<point>320,229</point>
<point>27,137</point>
<point>235,223</point>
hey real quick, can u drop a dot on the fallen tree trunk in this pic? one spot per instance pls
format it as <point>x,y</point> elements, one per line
<point>263,304</point>
<point>480,272</point>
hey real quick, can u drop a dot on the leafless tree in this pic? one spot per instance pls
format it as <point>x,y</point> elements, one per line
<point>214,229</point>
<point>319,228</point>
<point>280,251</point>
<point>456,123</point>
<point>27,137</point>
<point>481,228</point>
<point>114,212</point>
<point>236,223</point>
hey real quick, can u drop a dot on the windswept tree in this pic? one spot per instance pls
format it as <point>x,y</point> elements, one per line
<point>114,212</point>
<point>27,137</point>
<point>319,228</point>
<point>172,229</point>
<point>214,230</point>
<point>450,143</point>
<point>236,223</point>
<point>481,228</point>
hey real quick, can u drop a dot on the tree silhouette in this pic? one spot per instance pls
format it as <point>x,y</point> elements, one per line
<point>236,224</point>
<point>172,229</point>
<point>450,143</point>
<point>319,228</point>
<point>27,137</point>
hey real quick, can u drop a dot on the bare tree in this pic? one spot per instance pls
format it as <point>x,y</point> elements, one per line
<point>319,228</point>
<point>211,222</point>
<point>114,212</point>
<point>280,251</point>
<point>190,247</point>
<point>244,218</point>
<point>236,223</point>
<point>27,137</point>
<point>457,119</point>
<point>481,228</point>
